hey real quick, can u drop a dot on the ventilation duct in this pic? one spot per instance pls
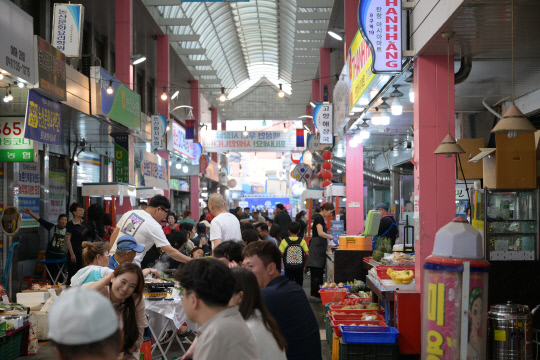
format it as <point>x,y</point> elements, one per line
<point>464,71</point>
<point>371,176</point>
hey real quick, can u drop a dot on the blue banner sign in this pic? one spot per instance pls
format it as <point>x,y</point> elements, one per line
<point>43,119</point>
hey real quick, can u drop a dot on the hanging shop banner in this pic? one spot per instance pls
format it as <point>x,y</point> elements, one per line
<point>296,157</point>
<point>360,73</point>
<point>43,119</point>
<point>28,192</point>
<point>179,185</point>
<point>313,143</point>
<point>154,170</point>
<point>159,125</point>
<point>196,149</point>
<point>203,164</point>
<point>57,195</point>
<point>14,147</point>
<point>341,100</point>
<point>68,20</point>
<point>220,141</point>
<point>51,70</point>
<point>88,170</point>
<point>302,173</point>
<point>324,120</point>
<point>121,158</point>
<point>122,105</point>
<point>17,42</point>
<point>380,24</point>
<point>176,140</point>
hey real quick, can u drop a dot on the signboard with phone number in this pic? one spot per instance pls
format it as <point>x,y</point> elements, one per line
<point>13,146</point>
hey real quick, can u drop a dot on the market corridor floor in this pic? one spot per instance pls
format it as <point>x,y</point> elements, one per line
<point>46,351</point>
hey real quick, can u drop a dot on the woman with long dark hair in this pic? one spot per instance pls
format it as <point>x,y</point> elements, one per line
<point>94,229</point>
<point>74,239</point>
<point>125,289</point>
<point>275,232</point>
<point>301,219</point>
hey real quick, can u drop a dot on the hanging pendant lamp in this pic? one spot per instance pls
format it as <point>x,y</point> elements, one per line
<point>449,146</point>
<point>513,121</point>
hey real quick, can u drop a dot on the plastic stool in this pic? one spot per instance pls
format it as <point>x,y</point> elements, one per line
<point>31,280</point>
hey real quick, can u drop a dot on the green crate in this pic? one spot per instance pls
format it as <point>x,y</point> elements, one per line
<point>367,351</point>
<point>10,346</point>
<point>328,331</point>
<point>3,328</point>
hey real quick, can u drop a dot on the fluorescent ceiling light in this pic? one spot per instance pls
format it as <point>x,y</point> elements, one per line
<point>138,58</point>
<point>335,35</point>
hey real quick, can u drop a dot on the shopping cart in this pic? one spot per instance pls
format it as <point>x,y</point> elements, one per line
<point>7,268</point>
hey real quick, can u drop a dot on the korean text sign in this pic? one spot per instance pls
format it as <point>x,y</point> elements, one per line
<point>218,141</point>
<point>360,74</point>
<point>14,147</point>
<point>51,69</point>
<point>177,140</point>
<point>324,120</point>
<point>380,24</point>
<point>67,28</point>
<point>121,158</point>
<point>154,171</point>
<point>43,119</point>
<point>159,125</point>
<point>28,192</point>
<point>57,195</point>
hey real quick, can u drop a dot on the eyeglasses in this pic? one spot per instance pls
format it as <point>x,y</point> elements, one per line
<point>163,209</point>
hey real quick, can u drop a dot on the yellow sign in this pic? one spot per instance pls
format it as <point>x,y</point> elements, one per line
<point>360,74</point>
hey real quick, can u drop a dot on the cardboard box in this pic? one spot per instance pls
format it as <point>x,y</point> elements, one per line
<point>512,165</point>
<point>471,170</point>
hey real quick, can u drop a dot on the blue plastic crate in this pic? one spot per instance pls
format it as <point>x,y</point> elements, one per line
<point>369,334</point>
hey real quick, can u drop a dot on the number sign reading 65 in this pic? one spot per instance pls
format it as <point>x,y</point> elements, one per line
<point>13,146</point>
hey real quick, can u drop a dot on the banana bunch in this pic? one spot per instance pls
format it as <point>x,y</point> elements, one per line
<point>401,277</point>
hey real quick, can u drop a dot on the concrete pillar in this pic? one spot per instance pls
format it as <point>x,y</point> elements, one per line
<point>315,95</point>
<point>351,24</point>
<point>124,41</point>
<point>214,119</point>
<point>434,175</point>
<point>354,188</point>
<point>395,191</point>
<point>163,81</point>
<point>325,82</point>
<point>194,180</point>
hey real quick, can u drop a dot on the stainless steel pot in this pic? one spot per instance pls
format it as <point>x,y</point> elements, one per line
<point>510,332</point>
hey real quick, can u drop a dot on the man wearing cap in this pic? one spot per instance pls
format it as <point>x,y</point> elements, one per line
<point>126,250</point>
<point>283,219</point>
<point>83,325</point>
<point>388,227</point>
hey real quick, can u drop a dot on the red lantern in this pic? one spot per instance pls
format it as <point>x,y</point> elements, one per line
<point>327,175</point>
<point>326,183</point>
<point>319,174</point>
<point>327,165</point>
<point>327,155</point>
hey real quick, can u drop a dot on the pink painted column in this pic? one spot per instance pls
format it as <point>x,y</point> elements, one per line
<point>124,41</point>
<point>354,187</point>
<point>324,75</point>
<point>163,81</point>
<point>315,84</point>
<point>351,24</point>
<point>434,175</point>
<point>214,119</point>
<point>195,182</point>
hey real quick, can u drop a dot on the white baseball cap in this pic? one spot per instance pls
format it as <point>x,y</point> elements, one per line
<point>81,316</point>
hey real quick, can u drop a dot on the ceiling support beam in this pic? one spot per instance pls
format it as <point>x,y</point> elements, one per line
<point>182,51</point>
<point>203,72</point>
<point>198,62</point>
<point>174,22</point>
<point>179,38</point>
<point>306,52</point>
<point>311,27</point>
<point>162,2</point>
<point>313,15</point>
<point>315,3</point>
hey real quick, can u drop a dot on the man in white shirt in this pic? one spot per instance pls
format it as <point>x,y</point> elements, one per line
<point>225,226</point>
<point>144,226</point>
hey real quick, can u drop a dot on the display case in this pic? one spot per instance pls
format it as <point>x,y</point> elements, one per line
<point>508,221</point>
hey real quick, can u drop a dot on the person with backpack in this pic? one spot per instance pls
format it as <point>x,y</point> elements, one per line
<point>295,253</point>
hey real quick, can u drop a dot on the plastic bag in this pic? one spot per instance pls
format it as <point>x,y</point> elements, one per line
<point>32,342</point>
<point>49,301</point>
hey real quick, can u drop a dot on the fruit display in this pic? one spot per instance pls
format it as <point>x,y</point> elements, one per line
<point>372,306</point>
<point>401,258</point>
<point>401,277</point>
<point>332,285</point>
<point>352,302</point>
<point>384,245</point>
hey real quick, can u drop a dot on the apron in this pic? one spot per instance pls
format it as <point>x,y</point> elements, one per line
<point>374,243</point>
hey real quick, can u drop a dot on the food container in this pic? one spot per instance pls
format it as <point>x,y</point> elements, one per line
<point>337,323</point>
<point>510,332</point>
<point>332,295</point>
<point>369,334</point>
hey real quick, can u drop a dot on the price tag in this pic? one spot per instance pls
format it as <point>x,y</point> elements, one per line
<point>5,299</point>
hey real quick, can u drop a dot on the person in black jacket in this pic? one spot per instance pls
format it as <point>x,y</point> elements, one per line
<point>388,226</point>
<point>283,219</point>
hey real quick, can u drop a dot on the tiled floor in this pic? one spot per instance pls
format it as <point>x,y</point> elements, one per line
<point>46,351</point>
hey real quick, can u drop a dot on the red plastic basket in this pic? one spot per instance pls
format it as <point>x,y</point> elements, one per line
<point>332,295</point>
<point>337,323</point>
<point>381,270</point>
<point>352,311</point>
<point>355,317</point>
<point>334,307</point>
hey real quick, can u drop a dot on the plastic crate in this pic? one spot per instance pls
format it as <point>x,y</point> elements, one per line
<point>335,348</point>
<point>369,334</point>
<point>10,345</point>
<point>41,325</point>
<point>356,317</point>
<point>353,311</point>
<point>348,287</point>
<point>367,351</point>
<point>328,330</point>
<point>332,295</point>
<point>381,270</point>
<point>337,323</point>
<point>340,307</point>
<point>348,242</point>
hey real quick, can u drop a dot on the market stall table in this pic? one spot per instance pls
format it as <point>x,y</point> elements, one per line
<point>382,295</point>
<point>166,315</point>
<point>60,263</point>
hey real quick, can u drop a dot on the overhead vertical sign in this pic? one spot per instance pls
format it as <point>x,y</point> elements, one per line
<point>28,192</point>
<point>159,125</point>
<point>121,158</point>
<point>68,28</point>
<point>380,24</point>
<point>43,119</point>
<point>154,171</point>
<point>51,70</point>
<point>324,120</point>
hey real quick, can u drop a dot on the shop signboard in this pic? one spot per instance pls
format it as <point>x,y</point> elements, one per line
<point>14,147</point>
<point>11,223</point>
<point>57,195</point>
<point>313,143</point>
<point>68,20</point>
<point>51,70</point>
<point>43,119</point>
<point>360,73</point>
<point>176,140</point>
<point>203,164</point>
<point>154,170</point>
<point>461,192</point>
<point>196,149</point>
<point>159,126</point>
<point>341,100</point>
<point>296,157</point>
<point>302,173</point>
<point>123,105</point>
<point>121,158</point>
<point>179,185</point>
<point>27,191</point>
<point>89,168</point>
<point>17,42</point>
<point>254,141</point>
<point>324,121</point>
<point>379,22</point>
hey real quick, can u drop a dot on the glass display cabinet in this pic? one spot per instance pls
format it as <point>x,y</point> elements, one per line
<point>508,221</point>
